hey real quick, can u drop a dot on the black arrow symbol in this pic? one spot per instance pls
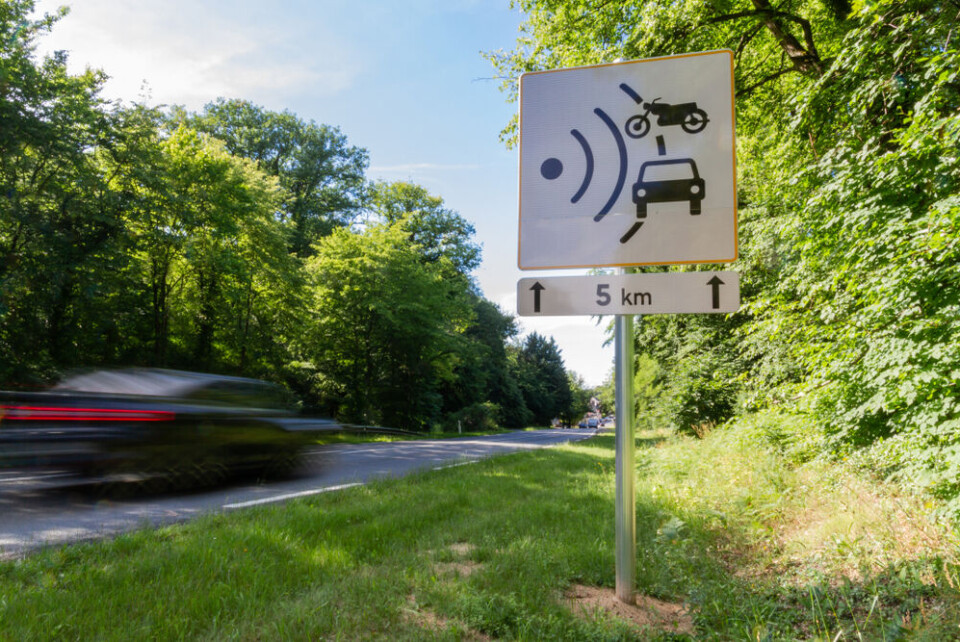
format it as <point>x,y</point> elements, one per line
<point>537,288</point>
<point>715,283</point>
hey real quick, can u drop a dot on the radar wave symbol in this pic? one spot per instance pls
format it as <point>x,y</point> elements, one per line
<point>553,167</point>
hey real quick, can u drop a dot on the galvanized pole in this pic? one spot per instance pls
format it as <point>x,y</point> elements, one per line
<point>625,514</point>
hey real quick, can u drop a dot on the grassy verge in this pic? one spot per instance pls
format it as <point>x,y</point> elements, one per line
<point>752,547</point>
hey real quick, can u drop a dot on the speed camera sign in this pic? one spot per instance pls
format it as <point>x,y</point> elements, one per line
<point>628,164</point>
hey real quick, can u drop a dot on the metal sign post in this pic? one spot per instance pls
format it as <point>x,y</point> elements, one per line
<point>625,513</point>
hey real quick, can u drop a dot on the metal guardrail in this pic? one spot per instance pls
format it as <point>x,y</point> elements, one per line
<point>378,429</point>
<point>323,424</point>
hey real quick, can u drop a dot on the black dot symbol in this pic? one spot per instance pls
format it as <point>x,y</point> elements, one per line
<point>551,168</point>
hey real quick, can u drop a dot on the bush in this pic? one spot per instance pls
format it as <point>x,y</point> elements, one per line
<point>479,417</point>
<point>703,393</point>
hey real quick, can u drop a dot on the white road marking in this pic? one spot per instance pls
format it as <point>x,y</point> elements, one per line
<point>281,498</point>
<point>462,463</point>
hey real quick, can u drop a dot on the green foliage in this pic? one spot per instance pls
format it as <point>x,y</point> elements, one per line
<point>57,232</point>
<point>606,393</point>
<point>580,397</point>
<point>385,326</point>
<point>215,248</point>
<point>321,175</point>
<point>542,379</point>
<point>874,280</point>
<point>479,417</point>
<point>647,395</point>
<point>689,375</point>
<point>700,394</point>
<point>437,231</point>
<point>484,372</point>
<point>649,411</point>
<point>848,176</point>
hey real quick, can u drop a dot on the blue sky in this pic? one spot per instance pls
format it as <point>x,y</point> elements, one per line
<point>403,79</point>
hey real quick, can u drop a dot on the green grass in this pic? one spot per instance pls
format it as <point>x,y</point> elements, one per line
<point>754,546</point>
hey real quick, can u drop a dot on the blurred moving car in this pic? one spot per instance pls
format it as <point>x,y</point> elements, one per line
<point>593,422</point>
<point>185,428</point>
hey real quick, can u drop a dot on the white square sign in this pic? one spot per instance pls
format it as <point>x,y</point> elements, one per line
<point>628,164</point>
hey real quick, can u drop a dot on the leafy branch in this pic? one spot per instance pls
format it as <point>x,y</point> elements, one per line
<point>804,59</point>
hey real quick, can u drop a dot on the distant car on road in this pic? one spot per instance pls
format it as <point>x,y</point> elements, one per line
<point>593,422</point>
<point>662,181</point>
<point>186,427</point>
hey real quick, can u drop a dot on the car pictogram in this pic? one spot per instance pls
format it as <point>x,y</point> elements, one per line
<point>663,181</point>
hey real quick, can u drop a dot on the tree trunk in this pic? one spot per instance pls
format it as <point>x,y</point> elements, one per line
<point>804,59</point>
<point>161,323</point>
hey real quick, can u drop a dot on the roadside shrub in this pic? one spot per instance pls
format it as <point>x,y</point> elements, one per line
<point>703,394</point>
<point>479,417</point>
<point>796,437</point>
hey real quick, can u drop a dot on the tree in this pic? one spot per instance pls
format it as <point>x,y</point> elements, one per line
<point>542,378</point>
<point>866,300</point>
<point>444,239</point>
<point>210,249</point>
<point>436,230</point>
<point>121,237</point>
<point>322,177</point>
<point>607,393</point>
<point>580,396</point>
<point>59,230</point>
<point>772,44</point>
<point>649,400</point>
<point>483,372</point>
<point>386,326</point>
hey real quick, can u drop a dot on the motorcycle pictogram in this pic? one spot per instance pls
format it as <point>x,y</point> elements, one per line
<point>690,117</point>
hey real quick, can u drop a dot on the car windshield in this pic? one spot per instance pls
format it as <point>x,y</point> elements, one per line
<point>206,388</point>
<point>678,171</point>
<point>143,382</point>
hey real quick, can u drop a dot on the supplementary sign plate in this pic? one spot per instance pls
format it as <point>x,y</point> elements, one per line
<point>660,293</point>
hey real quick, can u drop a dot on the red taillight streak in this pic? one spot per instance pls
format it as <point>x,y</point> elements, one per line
<point>41,413</point>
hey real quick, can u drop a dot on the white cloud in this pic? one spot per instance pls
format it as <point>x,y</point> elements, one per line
<point>185,54</point>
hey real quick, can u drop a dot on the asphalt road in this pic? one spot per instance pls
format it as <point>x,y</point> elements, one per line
<point>46,510</point>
